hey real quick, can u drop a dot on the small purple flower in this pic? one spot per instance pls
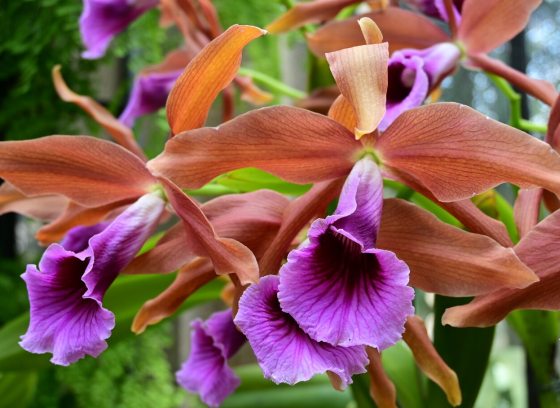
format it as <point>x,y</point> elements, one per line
<point>436,8</point>
<point>67,289</point>
<point>149,93</point>
<point>284,351</point>
<point>101,20</point>
<point>339,287</point>
<point>413,74</point>
<point>206,371</point>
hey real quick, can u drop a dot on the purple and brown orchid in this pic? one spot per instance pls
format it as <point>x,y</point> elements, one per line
<point>313,292</point>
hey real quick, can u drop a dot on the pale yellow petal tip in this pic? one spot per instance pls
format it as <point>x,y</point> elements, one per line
<point>359,133</point>
<point>454,396</point>
<point>371,32</point>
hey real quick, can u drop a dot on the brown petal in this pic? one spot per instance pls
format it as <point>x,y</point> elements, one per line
<point>190,278</point>
<point>252,93</point>
<point>361,75</point>
<point>74,215</point>
<point>526,209</point>
<point>488,24</point>
<point>342,112</point>
<point>539,251</point>
<point>297,214</point>
<point>382,389</point>
<point>306,13</point>
<point>292,143</point>
<point>119,132</point>
<point>457,152</point>
<point>206,75</point>
<point>90,171</point>
<point>444,259</point>
<point>252,219</point>
<point>45,208</point>
<point>320,100</point>
<point>540,89</point>
<point>464,210</point>
<point>401,29</point>
<point>429,360</point>
<point>227,255</point>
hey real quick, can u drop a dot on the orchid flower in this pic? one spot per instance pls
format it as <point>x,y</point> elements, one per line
<point>66,291</point>
<point>99,177</point>
<point>437,8</point>
<point>206,370</point>
<point>102,20</point>
<point>477,27</point>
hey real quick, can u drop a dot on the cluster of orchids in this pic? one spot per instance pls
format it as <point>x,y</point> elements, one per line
<point>311,290</point>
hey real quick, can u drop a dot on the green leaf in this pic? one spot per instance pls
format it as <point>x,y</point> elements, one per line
<point>124,298</point>
<point>251,179</point>
<point>465,350</point>
<point>401,368</point>
<point>17,389</point>
<point>539,331</point>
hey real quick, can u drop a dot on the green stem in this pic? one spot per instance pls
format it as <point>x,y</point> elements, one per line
<point>272,83</point>
<point>516,120</point>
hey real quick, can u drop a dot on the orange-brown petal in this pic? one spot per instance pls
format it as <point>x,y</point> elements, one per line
<point>119,132</point>
<point>206,75</point>
<point>228,255</point>
<point>446,260</point>
<point>89,171</point>
<point>361,75</point>
<point>429,360</point>
<point>457,152</point>
<point>401,29</point>
<point>292,143</point>
<point>488,24</point>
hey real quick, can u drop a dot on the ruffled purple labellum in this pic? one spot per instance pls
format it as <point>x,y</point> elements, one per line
<point>413,74</point>
<point>339,288</point>
<point>206,371</point>
<point>436,8</point>
<point>284,351</point>
<point>101,20</point>
<point>148,95</point>
<point>67,289</point>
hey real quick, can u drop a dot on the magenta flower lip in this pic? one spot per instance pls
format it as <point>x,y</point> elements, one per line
<point>206,371</point>
<point>339,287</point>
<point>66,291</point>
<point>284,351</point>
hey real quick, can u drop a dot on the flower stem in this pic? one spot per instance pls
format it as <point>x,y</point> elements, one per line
<point>272,83</point>
<point>516,120</point>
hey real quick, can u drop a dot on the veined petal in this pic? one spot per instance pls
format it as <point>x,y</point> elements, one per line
<point>305,13</point>
<point>446,260</point>
<point>401,29</point>
<point>90,171</point>
<point>205,76</point>
<point>101,20</point>
<point>45,208</point>
<point>228,255</point>
<point>429,360</point>
<point>284,351</point>
<point>252,219</point>
<point>120,133</point>
<point>538,250</point>
<point>457,152</point>
<point>206,371</point>
<point>487,25</point>
<point>190,277</point>
<point>67,289</point>
<point>341,111</point>
<point>381,388</point>
<point>339,288</point>
<point>294,144</point>
<point>361,75</point>
<point>526,209</point>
